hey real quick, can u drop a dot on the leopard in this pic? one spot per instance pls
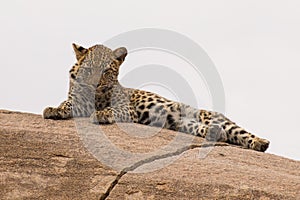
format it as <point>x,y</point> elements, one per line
<point>95,92</point>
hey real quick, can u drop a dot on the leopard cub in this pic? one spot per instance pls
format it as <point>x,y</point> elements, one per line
<point>95,92</point>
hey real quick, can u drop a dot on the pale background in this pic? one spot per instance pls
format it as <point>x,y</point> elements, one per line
<point>255,45</point>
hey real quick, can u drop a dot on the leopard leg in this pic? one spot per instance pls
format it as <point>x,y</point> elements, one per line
<point>213,132</point>
<point>239,136</point>
<point>64,111</point>
<point>235,134</point>
<point>111,115</point>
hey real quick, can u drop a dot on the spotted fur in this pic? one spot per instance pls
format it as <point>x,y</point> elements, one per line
<point>96,93</point>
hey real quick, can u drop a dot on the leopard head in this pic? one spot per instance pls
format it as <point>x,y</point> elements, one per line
<point>97,66</point>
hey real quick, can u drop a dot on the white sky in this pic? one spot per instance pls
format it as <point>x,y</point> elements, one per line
<point>254,44</point>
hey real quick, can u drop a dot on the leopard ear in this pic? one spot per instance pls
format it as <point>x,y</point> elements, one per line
<point>79,51</point>
<point>120,53</point>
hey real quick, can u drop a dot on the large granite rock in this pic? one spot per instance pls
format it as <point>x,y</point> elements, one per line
<point>73,159</point>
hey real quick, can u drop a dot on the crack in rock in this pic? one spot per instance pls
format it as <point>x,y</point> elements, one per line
<point>152,159</point>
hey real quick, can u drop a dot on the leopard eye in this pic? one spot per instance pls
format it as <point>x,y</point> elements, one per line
<point>107,75</point>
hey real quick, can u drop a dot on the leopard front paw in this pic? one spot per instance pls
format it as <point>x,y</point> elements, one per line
<point>216,133</point>
<point>51,113</point>
<point>259,144</point>
<point>102,117</point>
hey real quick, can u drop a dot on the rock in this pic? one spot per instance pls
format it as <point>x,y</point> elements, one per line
<point>74,159</point>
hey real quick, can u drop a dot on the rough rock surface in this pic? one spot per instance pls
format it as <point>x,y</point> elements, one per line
<point>73,159</point>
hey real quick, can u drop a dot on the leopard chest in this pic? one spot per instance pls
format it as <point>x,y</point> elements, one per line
<point>111,98</point>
